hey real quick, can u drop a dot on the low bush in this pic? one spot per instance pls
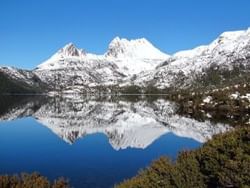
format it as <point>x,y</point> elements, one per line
<point>33,180</point>
<point>223,161</point>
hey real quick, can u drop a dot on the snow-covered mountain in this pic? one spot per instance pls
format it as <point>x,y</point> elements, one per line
<point>134,56</point>
<point>138,62</point>
<point>57,60</point>
<point>126,124</point>
<point>73,68</point>
<point>230,51</point>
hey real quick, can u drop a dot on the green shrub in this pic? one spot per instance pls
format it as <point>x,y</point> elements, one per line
<point>223,161</point>
<point>33,180</point>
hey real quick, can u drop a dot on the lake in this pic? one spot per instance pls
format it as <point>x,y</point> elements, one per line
<point>92,141</point>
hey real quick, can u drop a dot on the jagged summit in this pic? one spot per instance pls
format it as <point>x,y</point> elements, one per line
<point>128,56</point>
<point>138,48</point>
<point>70,50</point>
<point>134,56</point>
<point>68,53</point>
<point>118,40</point>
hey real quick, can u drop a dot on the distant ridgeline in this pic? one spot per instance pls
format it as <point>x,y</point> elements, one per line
<point>136,66</point>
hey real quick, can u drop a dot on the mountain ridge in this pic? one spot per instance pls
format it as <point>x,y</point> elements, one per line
<point>229,51</point>
<point>137,62</point>
<point>121,52</point>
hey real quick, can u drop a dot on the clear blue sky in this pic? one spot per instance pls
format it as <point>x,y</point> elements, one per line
<point>32,30</point>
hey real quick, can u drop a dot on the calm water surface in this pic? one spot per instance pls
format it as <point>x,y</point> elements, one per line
<point>94,143</point>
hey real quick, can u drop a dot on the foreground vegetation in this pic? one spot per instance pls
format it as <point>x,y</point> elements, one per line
<point>223,161</point>
<point>33,180</point>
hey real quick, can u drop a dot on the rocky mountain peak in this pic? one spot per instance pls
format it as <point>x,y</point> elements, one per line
<point>70,50</point>
<point>138,48</point>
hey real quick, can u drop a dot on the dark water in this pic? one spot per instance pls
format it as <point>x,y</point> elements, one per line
<point>92,142</point>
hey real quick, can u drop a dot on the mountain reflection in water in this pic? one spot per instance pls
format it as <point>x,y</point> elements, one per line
<point>126,124</point>
<point>106,139</point>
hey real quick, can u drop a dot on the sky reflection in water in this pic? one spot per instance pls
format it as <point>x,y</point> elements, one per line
<point>94,143</point>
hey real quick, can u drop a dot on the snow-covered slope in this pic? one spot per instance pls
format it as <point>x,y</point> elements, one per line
<point>134,56</point>
<point>69,52</point>
<point>139,48</point>
<point>229,51</point>
<point>71,67</point>
<point>20,80</point>
<point>138,62</point>
<point>126,124</point>
<point>125,58</point>
<point>18,74</point>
